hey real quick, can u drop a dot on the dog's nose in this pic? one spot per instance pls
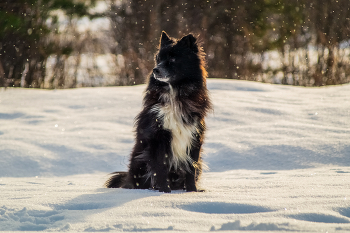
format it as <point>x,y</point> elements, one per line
<point>156,71</point>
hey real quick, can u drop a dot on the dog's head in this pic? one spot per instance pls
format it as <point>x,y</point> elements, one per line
<point>177,60</point>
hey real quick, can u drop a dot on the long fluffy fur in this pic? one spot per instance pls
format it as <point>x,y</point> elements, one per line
<point>170,128</point>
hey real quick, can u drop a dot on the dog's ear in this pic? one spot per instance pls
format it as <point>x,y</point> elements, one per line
<point>190,42</point>
<point>165,40</point>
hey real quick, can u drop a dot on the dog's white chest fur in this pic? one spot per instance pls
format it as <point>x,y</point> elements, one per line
<point>182,134</point>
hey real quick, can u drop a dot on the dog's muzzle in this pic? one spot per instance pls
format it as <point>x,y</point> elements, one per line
<point>156,71</point>
<point>160,75</point>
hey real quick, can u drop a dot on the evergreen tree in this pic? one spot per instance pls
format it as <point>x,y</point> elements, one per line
<point>25,26</point>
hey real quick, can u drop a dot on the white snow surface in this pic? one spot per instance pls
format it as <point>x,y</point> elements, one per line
<point>278,157</point>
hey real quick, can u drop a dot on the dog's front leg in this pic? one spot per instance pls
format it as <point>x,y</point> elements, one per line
<point>194,169</point>
<point>159,151</point>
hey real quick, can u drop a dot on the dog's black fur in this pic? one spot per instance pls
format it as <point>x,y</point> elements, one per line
<point>170,128</point>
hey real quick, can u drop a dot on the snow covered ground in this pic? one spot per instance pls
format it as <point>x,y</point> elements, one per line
<point>279,159</point>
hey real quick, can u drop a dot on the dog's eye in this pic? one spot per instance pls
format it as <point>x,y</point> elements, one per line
<point>172,59</point>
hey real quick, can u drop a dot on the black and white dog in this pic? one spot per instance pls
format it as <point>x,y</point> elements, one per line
<point>170,128</point>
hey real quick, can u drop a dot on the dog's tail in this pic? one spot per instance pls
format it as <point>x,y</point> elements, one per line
<point>117,180</point>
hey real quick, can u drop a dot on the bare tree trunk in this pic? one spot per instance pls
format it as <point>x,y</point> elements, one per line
<point>2,76</point>
<point>330,66</point>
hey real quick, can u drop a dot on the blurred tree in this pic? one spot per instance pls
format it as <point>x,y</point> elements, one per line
<point>236,36</point>
<point>285,33</point>
<point>235,32</point>
<point>330,23</point>
<point>225,27</point>
<point>24,41</point>
<point>232,28</point>
<point>134,25</point>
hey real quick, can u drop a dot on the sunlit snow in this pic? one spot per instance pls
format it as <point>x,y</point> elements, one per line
<point>279,160</point>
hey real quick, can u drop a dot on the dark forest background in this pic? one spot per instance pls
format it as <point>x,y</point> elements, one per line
<point>296,42</point>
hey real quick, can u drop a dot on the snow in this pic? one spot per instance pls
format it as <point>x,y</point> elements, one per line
<point>279,160</point>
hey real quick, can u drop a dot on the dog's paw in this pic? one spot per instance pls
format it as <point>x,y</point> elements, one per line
<point>191,189</point>
<point>165,189</point>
